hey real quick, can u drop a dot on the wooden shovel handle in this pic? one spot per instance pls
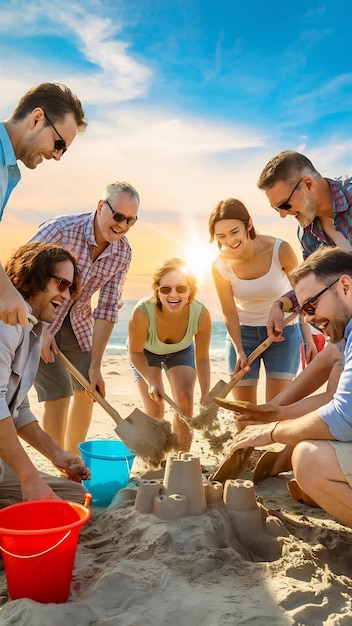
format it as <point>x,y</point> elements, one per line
<point>174,406</point>
<point>253,355</point>
<point>85,384</point>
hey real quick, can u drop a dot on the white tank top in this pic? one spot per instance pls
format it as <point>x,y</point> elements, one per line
<point>254,297</point>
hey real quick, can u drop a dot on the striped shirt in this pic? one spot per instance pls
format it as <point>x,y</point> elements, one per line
<point>107,274</point>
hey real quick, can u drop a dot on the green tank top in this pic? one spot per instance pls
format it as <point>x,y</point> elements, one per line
<point>153,343</point>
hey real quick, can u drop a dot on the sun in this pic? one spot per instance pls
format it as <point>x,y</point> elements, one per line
<point>199,256</point>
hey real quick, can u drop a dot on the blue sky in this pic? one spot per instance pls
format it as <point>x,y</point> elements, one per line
<point>185,99</point>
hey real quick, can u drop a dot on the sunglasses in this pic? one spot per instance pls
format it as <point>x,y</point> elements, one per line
<point>59,144</point>
<point>63,284</point>
<point>309,306</point>
<point>120,217</point>
<point>285,206</point>
<point>178,288</point>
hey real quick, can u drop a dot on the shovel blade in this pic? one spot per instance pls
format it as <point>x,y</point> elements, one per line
<point>146,436</point>
<point>217,389</point>
<point>232,466</point>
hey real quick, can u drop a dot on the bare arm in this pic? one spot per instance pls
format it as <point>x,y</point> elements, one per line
<point>202,343</point>
<point>101,334</point>
<point>13,309</point>
<point>289,432</point>
<point>230,316</point>
<point>137,336</point>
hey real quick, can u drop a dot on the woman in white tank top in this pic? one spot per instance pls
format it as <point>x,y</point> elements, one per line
<point>249,274</point>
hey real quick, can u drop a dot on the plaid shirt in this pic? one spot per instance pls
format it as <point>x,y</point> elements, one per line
<point>107,273</point>
<point>313,236</point>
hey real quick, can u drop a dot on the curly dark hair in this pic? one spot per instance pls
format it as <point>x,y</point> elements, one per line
<point>33,264</point>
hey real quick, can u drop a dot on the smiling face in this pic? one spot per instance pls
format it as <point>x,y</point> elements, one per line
<point>232,234</point>
<point>303,205</point>
<point>331,313</point>
<point>46,303</point>
<point>178,297</point>
<point>106,228</point>
<point>38,142</point>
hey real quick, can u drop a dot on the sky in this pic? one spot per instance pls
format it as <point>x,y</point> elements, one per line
<point>186,100</point>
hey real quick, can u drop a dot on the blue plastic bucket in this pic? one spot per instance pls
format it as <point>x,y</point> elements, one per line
<point>110,462</point>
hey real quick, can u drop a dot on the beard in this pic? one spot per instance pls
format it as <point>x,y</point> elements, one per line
<point>307,213</point>
<point>339,323</point>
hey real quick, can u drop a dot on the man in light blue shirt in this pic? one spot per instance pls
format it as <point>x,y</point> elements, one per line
<point>43,125</point>
<point>322,457</point>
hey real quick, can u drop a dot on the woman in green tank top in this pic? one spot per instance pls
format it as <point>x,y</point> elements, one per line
<point>171,331</point>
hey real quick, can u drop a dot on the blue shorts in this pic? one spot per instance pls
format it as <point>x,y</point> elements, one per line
<point>281,360</point>
<point>167,361</point>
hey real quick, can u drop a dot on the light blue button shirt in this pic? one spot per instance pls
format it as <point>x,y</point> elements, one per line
<point>10,173</point>
<point>337,414</point>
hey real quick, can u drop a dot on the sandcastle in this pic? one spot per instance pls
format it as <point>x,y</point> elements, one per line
<point>184,490</point>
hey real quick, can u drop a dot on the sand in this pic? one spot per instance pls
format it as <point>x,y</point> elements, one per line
<point>132,569</point>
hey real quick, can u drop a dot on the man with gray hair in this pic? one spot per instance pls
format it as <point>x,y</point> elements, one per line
<point>322,207</point>
<point>98,240</point>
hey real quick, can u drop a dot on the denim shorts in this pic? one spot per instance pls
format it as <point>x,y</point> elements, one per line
<point>52,380</point>
<point>281,360</point>
<point>166,361</point>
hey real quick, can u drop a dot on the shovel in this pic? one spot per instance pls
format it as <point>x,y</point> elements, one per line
<point>235,463</point>
<point>221,389</point>
<point>143,435</point>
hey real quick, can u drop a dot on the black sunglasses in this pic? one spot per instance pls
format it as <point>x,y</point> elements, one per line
<point>285,206</point>
<point>59,144</point>
<point>120,217</point>
<point>309,306</point>
<point>178,288</point>
<point>63,284</point>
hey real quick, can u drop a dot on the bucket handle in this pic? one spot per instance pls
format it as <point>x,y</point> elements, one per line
<point>33,556</point>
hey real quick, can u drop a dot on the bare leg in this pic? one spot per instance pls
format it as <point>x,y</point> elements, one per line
<point>55,418</point>
<point>274,386</point>
<point>78,421</point>
<point>318,473</point>
<point>246,393</point>
<point>151,408</point>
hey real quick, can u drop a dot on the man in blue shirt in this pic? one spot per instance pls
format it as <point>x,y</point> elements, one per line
<point>322,456</point>
<point>43,125</point>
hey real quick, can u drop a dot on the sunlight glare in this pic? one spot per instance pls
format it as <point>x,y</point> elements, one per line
<point>198,256</point>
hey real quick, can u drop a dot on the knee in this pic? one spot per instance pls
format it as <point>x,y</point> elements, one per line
<point>307,464</point>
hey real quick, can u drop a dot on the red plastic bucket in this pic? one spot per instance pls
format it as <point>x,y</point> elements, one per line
<point>38,541</point>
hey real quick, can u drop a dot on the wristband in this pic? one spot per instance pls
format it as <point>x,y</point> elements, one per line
<point>272,432</point>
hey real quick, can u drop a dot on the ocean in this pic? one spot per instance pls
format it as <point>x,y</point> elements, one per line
<point>117,341</point>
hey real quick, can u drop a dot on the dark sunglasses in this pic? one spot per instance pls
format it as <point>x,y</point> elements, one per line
<point>178,288</point>
<point>59,144</point>
<point>285,206</point>
<point>309,306</point>
<point>63,284</point>
<point>120,217</point>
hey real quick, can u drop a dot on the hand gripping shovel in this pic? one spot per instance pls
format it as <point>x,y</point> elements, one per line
<point>143,435</point>
<point>235,463</point>
<point>221,389</point>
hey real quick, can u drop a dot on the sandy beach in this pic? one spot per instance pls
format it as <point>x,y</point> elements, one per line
<point>133,568</point>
